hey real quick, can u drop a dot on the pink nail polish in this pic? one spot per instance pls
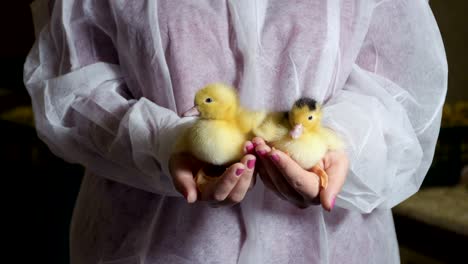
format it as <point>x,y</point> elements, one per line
<point>275,158</point>
<point>251,164</point>
<point>261,152</point>
<point>249,148</point>
<point>239,172</point>
<point>332,203</point>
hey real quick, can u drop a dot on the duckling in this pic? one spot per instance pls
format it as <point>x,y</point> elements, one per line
<point>218,136</point>
<point>300,134</point>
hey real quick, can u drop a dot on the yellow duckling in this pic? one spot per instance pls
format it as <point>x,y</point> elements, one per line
<point>218,136</point>
<point>300,134</point>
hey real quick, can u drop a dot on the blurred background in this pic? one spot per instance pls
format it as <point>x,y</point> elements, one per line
<point>432,226</point>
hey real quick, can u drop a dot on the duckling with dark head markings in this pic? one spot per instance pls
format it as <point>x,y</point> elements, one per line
<point>300,134</point>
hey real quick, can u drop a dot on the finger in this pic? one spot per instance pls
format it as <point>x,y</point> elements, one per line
<point>262,151</point>
<point>255,170</point>
<point>183,179</point>
<point>304,182</point>
<point>275,176</point>
<point>227,182</point>
<point>336,165</point>
<point>257,141</point>
<point>238,192</point>
<point>248,147</point>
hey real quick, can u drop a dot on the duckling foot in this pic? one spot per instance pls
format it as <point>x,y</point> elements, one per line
<point>322,175</point>
<point>207,175</point>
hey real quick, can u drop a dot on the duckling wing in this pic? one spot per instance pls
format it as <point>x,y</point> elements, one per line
<point>274,127</point>
<point>248,120</point>
<point>333,140</point>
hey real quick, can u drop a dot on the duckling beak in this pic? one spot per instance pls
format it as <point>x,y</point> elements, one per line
<point>191,112</point>
<point>296,132</point>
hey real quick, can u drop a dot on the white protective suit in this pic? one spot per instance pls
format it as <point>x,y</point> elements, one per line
<point>108,79</point>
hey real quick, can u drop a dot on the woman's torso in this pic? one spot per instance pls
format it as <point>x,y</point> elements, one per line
<point>273,52</point>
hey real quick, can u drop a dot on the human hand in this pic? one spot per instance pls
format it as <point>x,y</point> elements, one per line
<point>229,189</point>
<point>289,181</point>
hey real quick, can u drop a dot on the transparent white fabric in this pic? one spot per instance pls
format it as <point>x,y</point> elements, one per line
<point>108,78</point>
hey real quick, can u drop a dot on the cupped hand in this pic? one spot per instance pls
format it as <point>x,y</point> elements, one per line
<point>289,181</point>
<point>229,189</point>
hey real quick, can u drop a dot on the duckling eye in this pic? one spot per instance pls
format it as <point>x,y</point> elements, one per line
<point>208,100</point>
<point>310,117</point>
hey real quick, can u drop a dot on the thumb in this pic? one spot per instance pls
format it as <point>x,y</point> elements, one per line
<point>337,170</point>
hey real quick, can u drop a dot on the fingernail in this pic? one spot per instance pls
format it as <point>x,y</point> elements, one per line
<point>249,147</point>
<point>275,157</point>
<point>188,198</point>
<point>239,172</point>
<point>251,163</point>
<point>261,152</point>
<point>332,203</point>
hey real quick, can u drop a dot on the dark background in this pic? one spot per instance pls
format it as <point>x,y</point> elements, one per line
<point>41,189</point>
